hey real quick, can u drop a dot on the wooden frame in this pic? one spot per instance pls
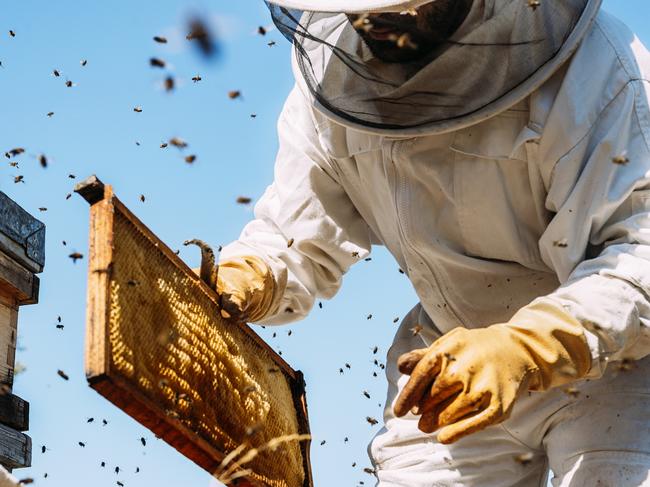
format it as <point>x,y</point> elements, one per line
<point>104,207</point>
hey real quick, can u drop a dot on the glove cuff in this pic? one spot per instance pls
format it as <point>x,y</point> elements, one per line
<point>555,342</point>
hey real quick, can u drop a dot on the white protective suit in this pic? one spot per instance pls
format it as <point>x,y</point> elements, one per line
<point>550,198</point>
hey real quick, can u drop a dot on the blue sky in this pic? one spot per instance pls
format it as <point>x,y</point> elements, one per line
<point>94,130</point>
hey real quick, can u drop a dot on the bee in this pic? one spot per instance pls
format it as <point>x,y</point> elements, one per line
<point>244,200</point>
<point>200,33</point>
<point>234,94</point>
<point>369,317</point>
<point>155,62</point>
<point>190,159</point>
<point>320,305</point>
<point>371,421</point>
<point>26,481</point>
<point>42,160</point>
<point>164,145</point>
<point>396,320</point>
<point>14,152</point>
<point>572,391</point>
<point>261,30</point>
<point>196,78</point>
<point>13,164</point>
<point>56,73</point>
<point>253,115</point>
<point>271,44</point>
<point>562,243</point>
<point>290,243</point>
<point>90,420</point>
<point>621,160</point>
<point>69,84</point>
<point>534,4</point>
<point>368,259</point>
<point>137,109</point>
<point>524,458</point>
<point>375,350</point>
<point>367,394</point>
<point>323,442</point>
<point>83,62</point>
<point>179,143</point>
<point>60,327</point>
<point>71,176</point>
<point>170,84</point>
<point>117,469</point>
<point>143,441</point>
<point>75,256</point>
<point>50,114</point>
<point>12,33</point>
<point>19,179</point>
<point>68,196</point>
<point>63,375</point>
<point>42,208</point>
<point>142,198</point>
<point>160,39</point>
<point>417,329</point>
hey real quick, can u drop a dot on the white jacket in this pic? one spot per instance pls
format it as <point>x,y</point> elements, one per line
<point>527,204</point>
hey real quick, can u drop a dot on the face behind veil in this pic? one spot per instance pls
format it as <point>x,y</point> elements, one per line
<point>503,51</point>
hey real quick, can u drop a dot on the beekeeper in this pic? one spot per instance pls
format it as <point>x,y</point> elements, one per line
<point>500,150</point>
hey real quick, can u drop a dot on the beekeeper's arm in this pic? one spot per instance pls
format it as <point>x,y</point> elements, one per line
<point>305,235</point>
<point>599,240</point>
<point>598,243</point>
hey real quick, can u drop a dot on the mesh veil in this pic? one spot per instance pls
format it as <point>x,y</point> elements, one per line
<point>500,54</point>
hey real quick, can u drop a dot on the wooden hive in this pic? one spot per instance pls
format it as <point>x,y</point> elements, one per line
<point>22,256</point>
<point>158,349</point>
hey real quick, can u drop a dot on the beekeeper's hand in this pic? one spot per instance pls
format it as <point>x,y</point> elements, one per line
<point>246,287</point>
<point>469,379</point>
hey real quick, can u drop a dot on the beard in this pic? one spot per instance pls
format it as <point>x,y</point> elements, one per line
<point>405,38</point>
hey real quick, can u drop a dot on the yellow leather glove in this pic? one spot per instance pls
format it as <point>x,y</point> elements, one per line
<point>469,379</point>
<point>246,288</point>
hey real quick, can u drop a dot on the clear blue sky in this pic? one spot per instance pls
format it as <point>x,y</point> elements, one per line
<point>94,130</point>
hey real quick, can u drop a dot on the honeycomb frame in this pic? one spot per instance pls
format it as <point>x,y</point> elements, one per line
<point>159,366</point>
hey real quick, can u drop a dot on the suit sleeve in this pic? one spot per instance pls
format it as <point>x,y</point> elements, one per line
<point>598,241</point>
<point>305,228</point>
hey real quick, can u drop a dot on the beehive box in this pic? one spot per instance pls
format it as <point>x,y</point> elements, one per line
<point>158,348</point>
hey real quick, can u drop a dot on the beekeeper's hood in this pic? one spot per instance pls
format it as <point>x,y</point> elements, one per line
<point>503,50</point>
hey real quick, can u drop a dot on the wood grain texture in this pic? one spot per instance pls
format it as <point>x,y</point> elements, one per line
<point>8,337</point>
<point>127,381</point>
<point>14,412</point>
<point>15,448</point>
<point>17,280</point>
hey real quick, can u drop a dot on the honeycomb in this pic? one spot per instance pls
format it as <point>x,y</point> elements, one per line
<point>166,339</point>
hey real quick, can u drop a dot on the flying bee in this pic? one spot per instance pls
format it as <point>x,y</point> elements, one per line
<point>372,421</point>
<point>234,94</point>
<point>137,109</point>
<point>19,179</point>
<point>83,62</point>
<point>244,200</point>
<point>621,159</point>
<point>49,114</point>
<point>169,84</point>
<point>69,84</point>
<point>179,143</point>
<point>63,375</point>
<point>160,39</point>
<point>75,256</point>
<point>42,160</point>
<point>196,78</point>
<point>56,73</point>
<point>155,62</point>
<point>190,159</point>
<point>290,242</point>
